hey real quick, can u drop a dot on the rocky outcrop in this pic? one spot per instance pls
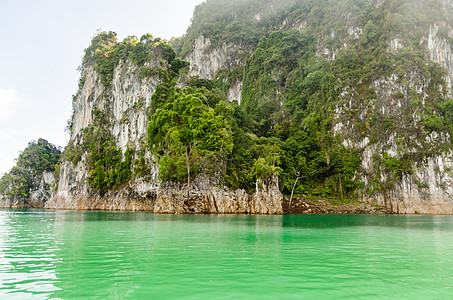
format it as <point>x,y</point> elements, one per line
<point>206,198</point>
<point>130,96</point>
<point>127,198</point>
<point>124,106</point>
<point>39,195</point>
<point>429,190</point>
<point>439,50</point>
<point>173,198</point>
<point>235,92</point>
<point>9,202</point>
<point>88,98</point>
<point>267,198</point>
<point>205,60</point>
<point>125,103</point>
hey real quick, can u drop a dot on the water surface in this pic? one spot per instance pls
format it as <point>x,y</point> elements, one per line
<point>102,255</point>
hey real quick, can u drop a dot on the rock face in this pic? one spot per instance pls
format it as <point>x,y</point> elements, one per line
<point>267,198</point>
<point>428,188</point>
<point>205,61</point>
<point>171,198</point>
<point>439,50</point>
<point>42,194</point>
<point>126,103</point>
<point>125,108</point>
<point>7,202</point>
<point>206,198</point>
<point>235,92</point>
<point>39,195</point>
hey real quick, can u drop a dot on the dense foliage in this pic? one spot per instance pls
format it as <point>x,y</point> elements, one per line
<point>105,52</point>
<point>38,157</point>
<point>108,168</point>
<point>243,22</point>
<point>190,136</point>
<point>194,131</point>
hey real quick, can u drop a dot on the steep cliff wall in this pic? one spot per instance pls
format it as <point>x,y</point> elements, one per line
<point>391,64</point>
<point>208,62</point>
<point>439,49</point>
<point>406,169</point>
<point>428,187</point>
<point>205,60</point>
<point>124,105</point>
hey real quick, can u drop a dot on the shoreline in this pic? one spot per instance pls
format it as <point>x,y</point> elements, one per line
<point>331,206</point>
<point>299,206</point>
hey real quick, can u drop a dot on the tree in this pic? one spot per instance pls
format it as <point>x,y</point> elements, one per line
<point>183,125</point>
<point>298,176</point>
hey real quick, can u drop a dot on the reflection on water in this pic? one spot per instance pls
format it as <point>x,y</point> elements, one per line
<point>142,255</point>
<point>27,255</point>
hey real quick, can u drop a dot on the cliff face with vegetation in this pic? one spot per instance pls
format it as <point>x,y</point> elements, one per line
<point>30,182</point>
<point>321,99</point>
<point>355,94</point>
<point>140,143</point>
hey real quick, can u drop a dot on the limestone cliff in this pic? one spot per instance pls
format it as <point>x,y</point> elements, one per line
<point>209,62</point>
<point>123,109</point>
<point>124,105</point>
<point>394,118</point>
<point>425,186</point>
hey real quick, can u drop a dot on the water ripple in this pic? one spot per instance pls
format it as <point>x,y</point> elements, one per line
<point>46,255</point>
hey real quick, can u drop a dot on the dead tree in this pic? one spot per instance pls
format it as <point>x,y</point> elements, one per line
<point>298,176</point>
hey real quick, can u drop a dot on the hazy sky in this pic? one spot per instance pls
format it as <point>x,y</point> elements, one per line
<point>41,46</point>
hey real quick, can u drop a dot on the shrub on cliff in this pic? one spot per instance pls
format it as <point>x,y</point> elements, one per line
<point>105,53</point>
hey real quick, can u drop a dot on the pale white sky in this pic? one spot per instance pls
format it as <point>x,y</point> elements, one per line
<point>41,46</point>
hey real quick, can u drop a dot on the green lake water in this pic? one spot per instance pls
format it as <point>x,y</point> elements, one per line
<point>103,255</point>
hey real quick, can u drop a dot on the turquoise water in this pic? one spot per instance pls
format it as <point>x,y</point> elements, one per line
<point>102,255</point>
